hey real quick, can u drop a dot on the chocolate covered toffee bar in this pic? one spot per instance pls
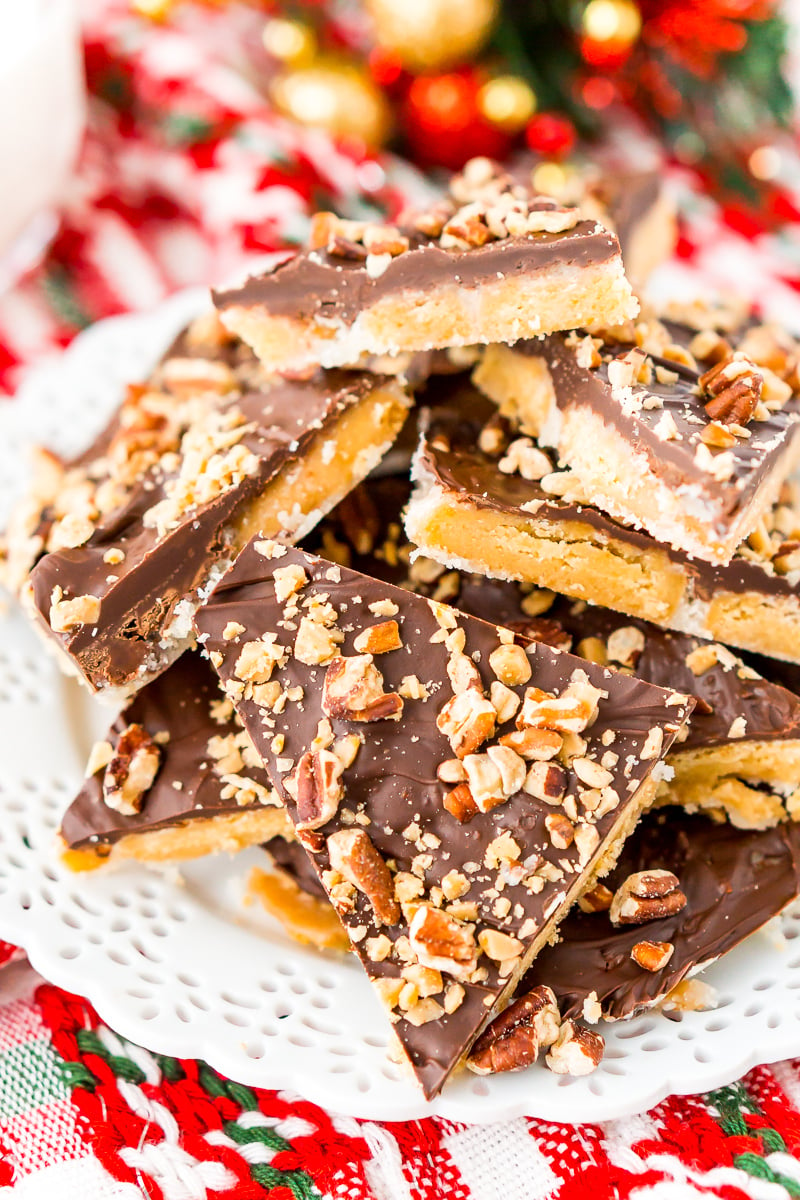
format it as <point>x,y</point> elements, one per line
<point>741,758</point>
<point>687,434</point>
<point>455,791</point>
<point>176,777</point>
<point>130,539</point>
<point>488,501</point>
<point>490,262</point>
<point>726,884</point>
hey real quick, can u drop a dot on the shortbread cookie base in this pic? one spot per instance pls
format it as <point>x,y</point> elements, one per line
<point>581,561</point>
<point>725,779</point>
<point>227,833</point>
<point>500,310</point>
<point>338,458</point>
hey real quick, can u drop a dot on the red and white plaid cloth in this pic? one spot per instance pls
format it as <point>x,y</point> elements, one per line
<point>185,178</point>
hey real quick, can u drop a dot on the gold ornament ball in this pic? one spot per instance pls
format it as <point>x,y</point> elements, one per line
<point>336,96</point>
<point>429,34</point>
<point>290,41</point>
<point>612,21</point>
<point>508,102</point>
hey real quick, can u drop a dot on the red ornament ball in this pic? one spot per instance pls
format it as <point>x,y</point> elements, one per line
<point>443,122</point>
<point>550,135</point>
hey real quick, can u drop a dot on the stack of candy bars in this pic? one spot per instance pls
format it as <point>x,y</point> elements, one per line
<point>420,562</point>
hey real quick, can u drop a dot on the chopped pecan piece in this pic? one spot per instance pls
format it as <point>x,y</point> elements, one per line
<point>379,639</point>
<point>597,900</point>
<point>513,1039</point>
<point>353,691</point>
<point>560,829</point>
<point>538,744</point>
<point>131,771</point>
<point>546,781</point>
<point>734,387</point>
<point>460,803</point>
<point>511,665</point>
<point>443,942</point>
<point>354,856</point>
<point>576,1051</point>
<point>652,956</point>
<point>318,786</point>
<point>570,712</point>
<point>467,720</point>
<point>646,896</point>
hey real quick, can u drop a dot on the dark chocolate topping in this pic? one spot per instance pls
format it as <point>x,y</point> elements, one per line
<point>449,452</point>
<point>315,284</point>
<point>178,703</point>
<point>734,880</point>
<point>392,786</point>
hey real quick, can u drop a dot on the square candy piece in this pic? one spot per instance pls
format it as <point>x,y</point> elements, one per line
<point>176,777</point>
<point>488,501</point>
<point>685,434</point>
<point>456,792</point>
<point>125,543</point>
<point>492,262</point>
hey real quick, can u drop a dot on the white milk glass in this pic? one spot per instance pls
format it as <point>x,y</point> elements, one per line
<point>42,116</point>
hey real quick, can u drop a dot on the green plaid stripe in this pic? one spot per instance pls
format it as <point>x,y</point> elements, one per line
<point>30,1077</point>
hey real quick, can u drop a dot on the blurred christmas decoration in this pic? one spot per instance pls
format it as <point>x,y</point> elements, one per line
<point>336,95</point>
<point>462,77</point>
<point>428,35</point>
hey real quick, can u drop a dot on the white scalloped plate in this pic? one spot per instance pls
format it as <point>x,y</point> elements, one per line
<point>177,962</point>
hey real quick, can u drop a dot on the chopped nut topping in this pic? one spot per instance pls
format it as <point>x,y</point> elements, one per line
<point>576,1051</point>
<point>652,956</point>
<point>571,712</point>
<point>66,614</point>
<point>513,1039</point>
<point>288,581</point>
<point>499,946</point>
<point>467,720</point>
<point>536,744</point>
<point>319,788</point>
<point>734,387</point>
<point>646,896</point>
<point>132,770</point>
<point>511,665</point>
<point>560,829</point>
<point>546,781</point>
<point>316,642</point>
<point>354,856</point>
<point>379,639</point>
<point>258,659</point>
<point>460,803</point>
<point>625,645</point>
<point>597,900</point>
<point>442,942</point>
<point>353,691</point>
